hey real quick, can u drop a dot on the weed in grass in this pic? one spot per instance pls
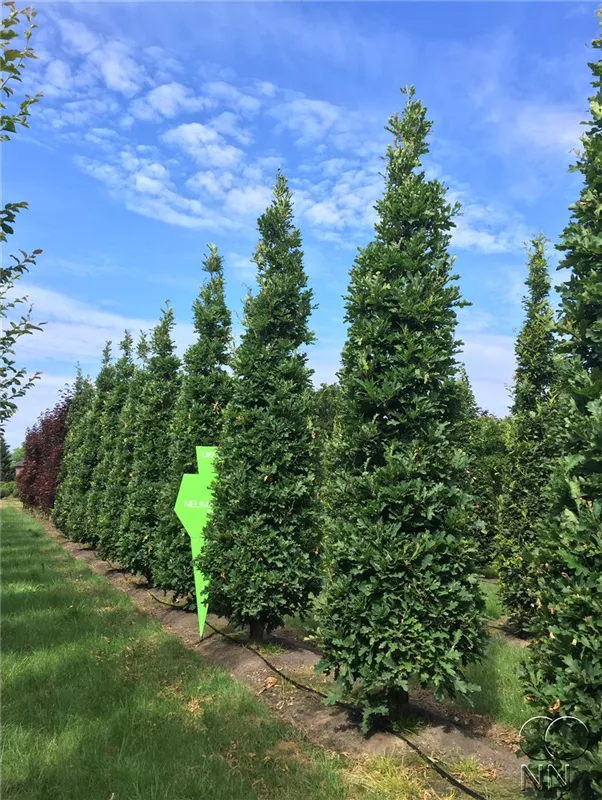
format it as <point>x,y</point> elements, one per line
<point>471,771</point>
<point>388,778</point>
<point>410,723</point>
<point>269,649</point>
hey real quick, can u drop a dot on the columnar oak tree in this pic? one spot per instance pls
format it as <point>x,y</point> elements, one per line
<point>401,599</point>
<point>530,447</point>
<point>197,420</point>
<point>121,466</point>
<point>489,473</point>
<point>326,398</point>
<point>153,411</point>
<point>103,385</point>
<point>262,540</point>
<point>26,481</point>
<point>466,434</point>
<point>564,672</point>
<point>465,411</point>
<point>74,473</point>
<point>96,503</point>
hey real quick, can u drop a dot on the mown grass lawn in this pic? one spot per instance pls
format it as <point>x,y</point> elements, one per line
<point>99,702</point>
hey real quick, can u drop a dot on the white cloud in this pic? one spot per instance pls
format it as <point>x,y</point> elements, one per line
<point>162,64</point>
<point>228,124</point>
<point>204,144</point>
<point>75,330</point>
<point>484,227</point>
<point>168,100</point>
<point>490,363</point>
<point>58,78</point>
<point>549,128</point>
<point>271,163</point>
<point>541,127</point>
<point>232,97</point>
<point>324,214</point>
<point>106,173</point>
<point>102,137</point>
<point>44,395</point>
<point>78,113</point>
<point>143,186</point>
<point>118,69</point>
<point>466,237</point>
<point>77,36</point>
<point>249,200</point>
<point>245,268</point>
<point>266,88</point>
<point>335,196</point>
<point>324,126</point>
<point>311,119</point>
<point>331,206</point>
<point>473,320</point>
<point>215,184</point>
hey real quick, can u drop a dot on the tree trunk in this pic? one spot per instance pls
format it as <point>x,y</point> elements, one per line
<point>398,700</point>
<point>257,629</point>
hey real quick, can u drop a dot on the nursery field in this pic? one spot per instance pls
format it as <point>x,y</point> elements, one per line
<point>100,702</point>
<point>395,580</point>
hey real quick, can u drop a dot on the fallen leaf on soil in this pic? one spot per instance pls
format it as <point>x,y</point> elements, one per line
<point>268,684</point>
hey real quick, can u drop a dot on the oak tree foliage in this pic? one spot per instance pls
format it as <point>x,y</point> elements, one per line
<point>564,670</point>
<point>196,421</point>
<point>261,543</point>
<point>402,601</point>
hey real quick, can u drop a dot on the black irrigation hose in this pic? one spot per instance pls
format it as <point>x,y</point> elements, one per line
<point>427,759</point>
<point>175,605</point>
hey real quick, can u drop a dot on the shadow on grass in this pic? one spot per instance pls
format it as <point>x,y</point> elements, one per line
<point>99,702</point>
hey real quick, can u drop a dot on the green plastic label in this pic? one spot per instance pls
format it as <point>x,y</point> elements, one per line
<point>192,508</point>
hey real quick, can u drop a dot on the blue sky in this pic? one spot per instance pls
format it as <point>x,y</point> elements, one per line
<point>162,126</point>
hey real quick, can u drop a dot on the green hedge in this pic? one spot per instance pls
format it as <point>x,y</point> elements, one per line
<point>8,489</point>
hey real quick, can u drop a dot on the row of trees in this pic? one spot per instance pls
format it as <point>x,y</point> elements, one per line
<point>381,523</point>
<point>132,435</point>
<point>563,675</point>
<point>407,489</point>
